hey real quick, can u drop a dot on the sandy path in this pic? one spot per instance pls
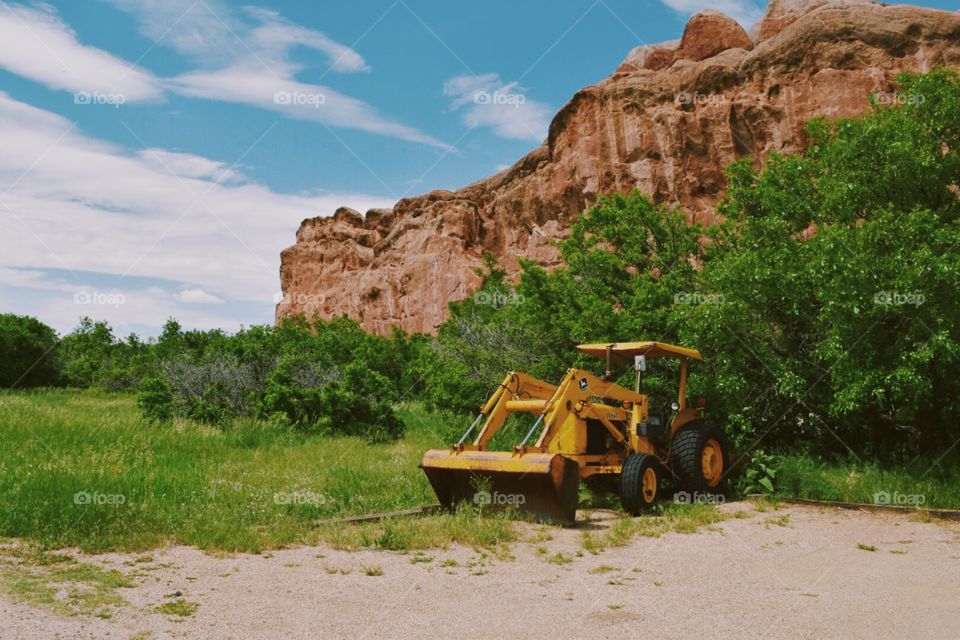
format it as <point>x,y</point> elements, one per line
<point>746,578</point>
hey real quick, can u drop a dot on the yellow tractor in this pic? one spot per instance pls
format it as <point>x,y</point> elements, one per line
<point>586,427</point>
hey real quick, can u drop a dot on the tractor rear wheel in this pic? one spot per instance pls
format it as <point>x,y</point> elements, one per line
<point>700,458</point>
<point>639,483</point>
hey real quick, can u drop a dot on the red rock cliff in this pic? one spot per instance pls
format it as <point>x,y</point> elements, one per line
<point>667,122</point>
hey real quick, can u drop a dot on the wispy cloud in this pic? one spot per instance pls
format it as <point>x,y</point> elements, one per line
<point>244,59</point>
<point>746,12</point>
<point>197,296</point>
<point>36,44</point>
<point>252,84</point>
<point>188,165</point>
<point>487,101</point>
<point>247,59</point>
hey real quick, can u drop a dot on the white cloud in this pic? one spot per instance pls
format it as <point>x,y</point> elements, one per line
<point>210,33</point>
<point>188,165</point>
<point>275,36</point>
<point>236,62</point>
<point>252,64</point>
<point>197,296</point>
<point>80,206</point>
<point>201,29</point>
<point>503,107</point>
<point>251,83</point>
<point>745,12</point>
<point>36,44</point>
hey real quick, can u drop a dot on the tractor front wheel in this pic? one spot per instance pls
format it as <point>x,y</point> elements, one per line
<point>701,458</point>
<point>639,483</point>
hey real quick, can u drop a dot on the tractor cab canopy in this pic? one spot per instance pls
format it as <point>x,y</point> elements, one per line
<point>638,353</point>
<point>626,351</point>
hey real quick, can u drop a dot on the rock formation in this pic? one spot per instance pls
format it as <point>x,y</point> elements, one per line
<point>666,122</point>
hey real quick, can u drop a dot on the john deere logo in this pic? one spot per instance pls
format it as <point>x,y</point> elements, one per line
<point>583,384</point>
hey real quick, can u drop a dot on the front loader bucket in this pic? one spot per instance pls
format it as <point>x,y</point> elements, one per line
<point>543,484</point>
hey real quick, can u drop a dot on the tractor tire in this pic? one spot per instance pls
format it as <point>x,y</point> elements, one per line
<point>700,459</point>
<point>640,483</point>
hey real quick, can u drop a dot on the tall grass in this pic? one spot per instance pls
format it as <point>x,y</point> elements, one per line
<point>252,486</point>
<point>927,484</point>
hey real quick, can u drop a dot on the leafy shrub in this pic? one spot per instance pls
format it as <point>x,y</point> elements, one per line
<point>295,389</point>
<point>27,357</point>
<point>91,356</point>
<point>359,403</point>
<point>353,401</point>
<point>155,400</point>
<point>86,353</point>
<point>214,389</point>
<point>838,270</point>
<point>319,376</point>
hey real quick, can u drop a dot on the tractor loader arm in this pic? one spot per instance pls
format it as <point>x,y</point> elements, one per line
<point>517,392</point>
<point>573,402</point>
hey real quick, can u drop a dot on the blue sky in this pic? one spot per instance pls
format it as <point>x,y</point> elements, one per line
<point>159,154</point>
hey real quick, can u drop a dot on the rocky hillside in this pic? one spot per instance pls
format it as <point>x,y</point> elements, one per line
<point>667,122</point>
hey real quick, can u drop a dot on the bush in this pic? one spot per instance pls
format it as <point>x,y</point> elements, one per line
<point>214,389</point>
<point>320,376</point>
<point>86,354</point>
<point>295,389</point>
<point>155,400</point>
<point>353,401</point>
<point>27,357</point>
<point>91,356</point>
<point>360,403</point>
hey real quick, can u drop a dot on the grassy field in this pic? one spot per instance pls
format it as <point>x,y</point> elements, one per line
<point>80,468</point>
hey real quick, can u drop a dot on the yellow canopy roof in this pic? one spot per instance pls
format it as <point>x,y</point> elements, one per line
<point>627,350</point>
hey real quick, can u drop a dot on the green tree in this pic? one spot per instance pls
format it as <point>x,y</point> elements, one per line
<point>27,352</point>
<point>86,353</point>
<point>839,273</point>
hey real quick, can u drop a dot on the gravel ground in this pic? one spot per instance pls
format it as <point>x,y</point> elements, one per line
<point>763,576</point>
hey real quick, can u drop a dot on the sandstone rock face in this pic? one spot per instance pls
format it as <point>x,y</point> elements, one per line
<point>666,122</point>
<point>709,33</point>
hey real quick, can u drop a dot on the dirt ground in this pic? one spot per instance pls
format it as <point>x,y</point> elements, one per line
<point>817,573</point>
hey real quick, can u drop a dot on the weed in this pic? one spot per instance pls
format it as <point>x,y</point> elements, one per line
<point>603,568</point>
<point>179,607</point>
<point>764,504</point>
<point>560,558</point>
<point>421,559</point>
<point>679,518</point>
<point>780,521</point>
